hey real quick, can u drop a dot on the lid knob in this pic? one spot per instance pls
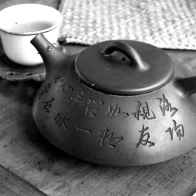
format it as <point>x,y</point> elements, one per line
<point>130,52</point>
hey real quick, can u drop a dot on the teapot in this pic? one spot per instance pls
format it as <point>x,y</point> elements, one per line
<point>118,102</point>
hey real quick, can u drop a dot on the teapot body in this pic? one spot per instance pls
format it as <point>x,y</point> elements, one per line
<point>113,129</point>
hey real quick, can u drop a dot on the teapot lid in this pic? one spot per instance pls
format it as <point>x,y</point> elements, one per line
<point>124,67</point>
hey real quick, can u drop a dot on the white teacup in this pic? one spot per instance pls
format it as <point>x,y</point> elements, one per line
<point>18,26</point>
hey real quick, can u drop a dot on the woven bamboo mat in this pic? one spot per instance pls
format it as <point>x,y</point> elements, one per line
<point>163,23</point>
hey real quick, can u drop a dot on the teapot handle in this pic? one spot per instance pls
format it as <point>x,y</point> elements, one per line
<point>128,51</point>
<point>187,85</point>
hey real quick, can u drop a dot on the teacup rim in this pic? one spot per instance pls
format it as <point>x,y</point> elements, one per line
<point>53,26</point>
<point>29,33</point>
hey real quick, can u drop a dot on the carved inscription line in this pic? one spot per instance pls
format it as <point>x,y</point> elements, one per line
<point>73,97</point>
<point>166,106</point>
<point>59,120</point>
<point>59,78</point>
<point>92,108</point>
<point>178,129</point>
<point>144,138</point>
<point>48,104</point>
<point>89,131</point>
<point>115,111</point>
<point>62,120</point>
<point>67,89</point>
<point>76,98</point>
<point>142,110</point>
<point>107,136</point>
<point>45,90</point>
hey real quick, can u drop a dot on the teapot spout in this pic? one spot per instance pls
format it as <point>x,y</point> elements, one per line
<point>53,57</point>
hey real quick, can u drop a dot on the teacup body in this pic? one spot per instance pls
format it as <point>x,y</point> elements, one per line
<point>19,24</point>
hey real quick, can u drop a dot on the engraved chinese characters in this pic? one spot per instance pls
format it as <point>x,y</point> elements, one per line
<point>143,112</point>
<point>108,136</point>
<point>144,138</point>
<point>78,101</point>
<point>166,106</point>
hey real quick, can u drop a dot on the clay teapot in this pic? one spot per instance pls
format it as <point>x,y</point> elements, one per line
<point>117,102</point>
